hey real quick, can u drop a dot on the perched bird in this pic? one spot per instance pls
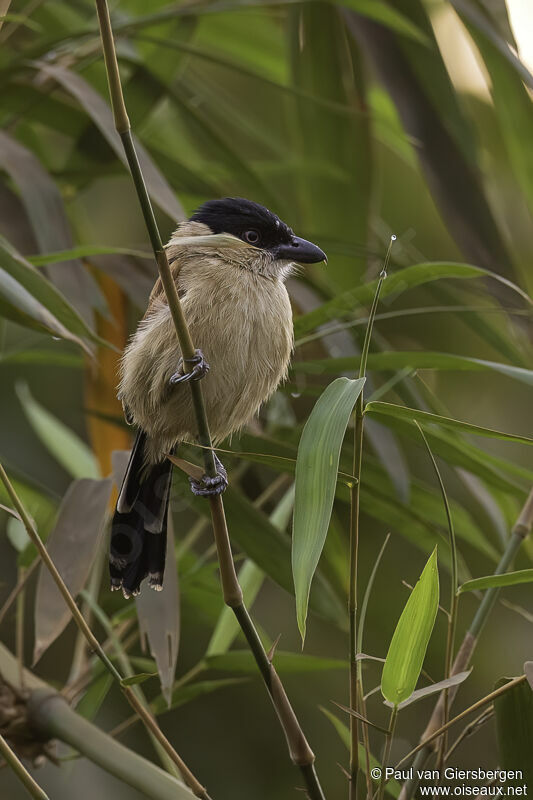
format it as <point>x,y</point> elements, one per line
<point>229,261</point>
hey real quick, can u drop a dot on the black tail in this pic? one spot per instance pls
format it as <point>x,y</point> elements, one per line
<point>139,527</point>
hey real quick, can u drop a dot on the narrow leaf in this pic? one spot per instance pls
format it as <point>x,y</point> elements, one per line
<point>72,545</point>
<point>379,410</point>
<point>489,581</point>
<point>514,726</point>
<point>71,452</point>
<point>316,477</point>
<point>100,113</point>
<point>134,680</point>
<point>397,283</point>
<point>392,786</point>
<point>410,640</point>
<point>434,688</point>
<point>242,661</point>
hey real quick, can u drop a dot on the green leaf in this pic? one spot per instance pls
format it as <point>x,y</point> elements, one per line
<point>434,688</point>
<point>100,113</point>
<point>514,726</point>
<point>86,251</point>
<point>72,546</point>
<point>388,16</point>
<point>266,546</point>
<point>43,202</point>
<point>509,579</point>
<point>185,694</point>
<point>392,786</point>
<point>379,410</point>
<point>141,677</point>
<point>316,478</point>
<point>410,640</point>
<point>71,452</point>
<point>251,579</point>
<point>28,298</point>
<point>415,359</point>
<point>396,283</point>
<point>243,661</point>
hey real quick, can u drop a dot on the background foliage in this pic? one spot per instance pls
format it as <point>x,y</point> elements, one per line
<point>352,121</point>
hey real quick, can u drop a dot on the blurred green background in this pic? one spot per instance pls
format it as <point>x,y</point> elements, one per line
<point>352,121</point>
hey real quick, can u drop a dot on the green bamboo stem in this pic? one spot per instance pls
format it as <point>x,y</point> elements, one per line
<point>387,751</point>
<point>354,688</point>
<point>52,717</point>
<point>95,645</point>
<point>21,772</point>
<point>299,749</point>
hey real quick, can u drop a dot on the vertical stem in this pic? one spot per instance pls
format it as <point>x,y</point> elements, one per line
<point>19,633</point>
<point>21,772</point>
<point>352,598</point>
<point>299,749</point>
<point>387,751</point>
<point>354,537</point>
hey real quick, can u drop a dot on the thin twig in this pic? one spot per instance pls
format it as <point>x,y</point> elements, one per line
<point>355,692</point>
<point>95,645</point>
<point>21,772</point>
<point>299,749</point>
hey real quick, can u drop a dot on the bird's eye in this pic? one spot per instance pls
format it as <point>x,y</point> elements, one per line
<point>252,237</point>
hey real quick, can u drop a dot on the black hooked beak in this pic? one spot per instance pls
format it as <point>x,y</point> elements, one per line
<point>301,251</point>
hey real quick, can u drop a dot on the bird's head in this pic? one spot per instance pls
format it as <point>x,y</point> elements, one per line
<point>249,234</point>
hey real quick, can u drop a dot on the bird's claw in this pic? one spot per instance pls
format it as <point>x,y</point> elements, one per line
<point>209,486</point>
<point>199,370</point>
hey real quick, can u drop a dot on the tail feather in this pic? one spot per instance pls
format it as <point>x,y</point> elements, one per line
<point>139,527</point>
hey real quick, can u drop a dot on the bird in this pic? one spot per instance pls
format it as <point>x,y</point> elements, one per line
<point>229,261</point>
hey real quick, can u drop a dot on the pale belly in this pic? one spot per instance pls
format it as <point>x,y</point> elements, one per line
<point>248,351</point>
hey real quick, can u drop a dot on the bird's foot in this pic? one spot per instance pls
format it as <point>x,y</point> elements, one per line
<point>209,486</point>
<point>199,370</point>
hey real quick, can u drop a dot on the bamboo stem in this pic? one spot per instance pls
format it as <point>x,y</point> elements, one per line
<point>300,752</point>
<point>21,772</point>
<point>52,717</point>
<point>387,752</point>
<point>95,645</point>
<point>355,691</point>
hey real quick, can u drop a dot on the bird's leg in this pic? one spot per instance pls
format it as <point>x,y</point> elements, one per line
<point>208,486</point>
<point>199,370</point>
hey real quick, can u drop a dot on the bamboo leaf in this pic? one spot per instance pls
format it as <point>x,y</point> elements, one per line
<point>415,359</point>
<point>266,546</point>
<point>72,545</point>
<point>316,477</point>
<point>380,410</point>
<point>71,452</point>
<point>396,283</point>
<point>392,786</point>
<point>434,688</point>
<point>135,680</point>
<point>251,578</point>
<point>159,619</point>
<point>31,300</point>
<point>185,694</point>
<point>44,205</point>
<point>242,661</point>
<point>410,640</point>
<point>100,113</point>
<point>388,16</point>
<point>509,579</point>
<point>514,726</point>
